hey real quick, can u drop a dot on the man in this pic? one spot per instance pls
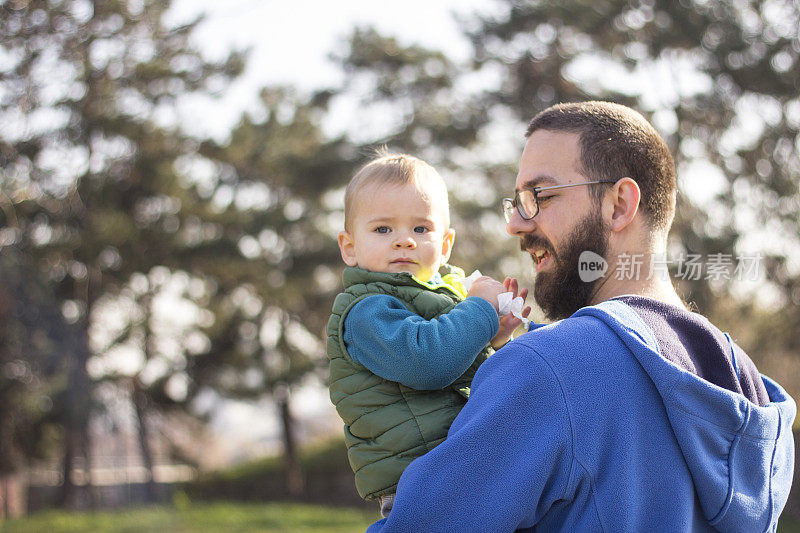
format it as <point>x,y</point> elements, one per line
<point>630,413</point>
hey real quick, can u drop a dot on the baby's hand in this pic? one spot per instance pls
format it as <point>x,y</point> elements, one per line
<point>508,323</point>
<point>488,289</point>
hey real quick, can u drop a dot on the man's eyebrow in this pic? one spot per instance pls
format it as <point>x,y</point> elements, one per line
<point>539,181</point>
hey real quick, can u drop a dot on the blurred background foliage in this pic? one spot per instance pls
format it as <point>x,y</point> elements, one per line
<point>147,265</point>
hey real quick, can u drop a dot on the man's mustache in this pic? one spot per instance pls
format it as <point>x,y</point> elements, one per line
<point>529,241</point>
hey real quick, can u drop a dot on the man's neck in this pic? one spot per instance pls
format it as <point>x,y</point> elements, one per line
<point>640,275</point>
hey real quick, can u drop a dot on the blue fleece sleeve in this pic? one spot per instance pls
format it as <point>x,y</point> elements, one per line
<point>506,461</point>
<point>398,345</point>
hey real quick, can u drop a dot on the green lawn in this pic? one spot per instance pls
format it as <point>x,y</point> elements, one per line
<point>238,517</point>
<point>232,517</point>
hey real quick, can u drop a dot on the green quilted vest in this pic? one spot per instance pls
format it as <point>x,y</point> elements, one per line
<point>388,425</point>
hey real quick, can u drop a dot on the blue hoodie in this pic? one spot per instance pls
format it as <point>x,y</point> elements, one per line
<point>585,425</point>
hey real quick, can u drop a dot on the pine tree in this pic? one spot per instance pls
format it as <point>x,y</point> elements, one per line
<point>87,154</point>
<point>271,302</point>
<point>33,338</point>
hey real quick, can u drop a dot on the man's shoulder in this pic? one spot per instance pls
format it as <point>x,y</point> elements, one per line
<point>591,338</point>
<point>585,327</point>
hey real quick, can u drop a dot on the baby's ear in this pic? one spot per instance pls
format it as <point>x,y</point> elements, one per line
<point>447,244</point>
<point>348,248</point>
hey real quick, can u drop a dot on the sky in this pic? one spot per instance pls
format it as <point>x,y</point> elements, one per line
<point>290,44</point>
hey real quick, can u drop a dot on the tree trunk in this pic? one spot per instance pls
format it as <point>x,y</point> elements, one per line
<point>89,491</point>
<point>140,403</point>
<point>77,445</point>
<point>77,441</point>
<point>12,490</point>
<point>295,482</point>
<point>67,497</point>
<point>4,497</point>
<point>13,495</point>
<point>140,399</point>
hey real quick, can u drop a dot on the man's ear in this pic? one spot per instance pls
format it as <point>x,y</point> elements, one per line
<point>447,244</point>
<point>348,248</point>
<point>624,203</point>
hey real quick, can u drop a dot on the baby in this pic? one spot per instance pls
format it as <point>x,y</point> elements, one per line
<point>405,337</point>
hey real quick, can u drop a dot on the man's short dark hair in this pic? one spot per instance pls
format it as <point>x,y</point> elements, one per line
<point>618,142</point>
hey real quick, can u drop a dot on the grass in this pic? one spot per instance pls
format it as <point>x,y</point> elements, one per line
<point>224,517</point>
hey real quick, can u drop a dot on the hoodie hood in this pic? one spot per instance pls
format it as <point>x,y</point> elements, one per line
<point>740,455</point>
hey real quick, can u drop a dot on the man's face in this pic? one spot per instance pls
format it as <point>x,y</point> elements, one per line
<point>569,222</point>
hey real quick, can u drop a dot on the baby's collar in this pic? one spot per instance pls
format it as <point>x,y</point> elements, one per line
<point>451,281</point>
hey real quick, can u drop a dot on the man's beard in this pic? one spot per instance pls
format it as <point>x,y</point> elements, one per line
<point>560,291</point>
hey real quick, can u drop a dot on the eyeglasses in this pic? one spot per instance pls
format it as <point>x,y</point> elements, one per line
<point>526,201</point>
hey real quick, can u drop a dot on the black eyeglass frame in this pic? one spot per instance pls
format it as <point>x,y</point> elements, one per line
<point>509,204</point>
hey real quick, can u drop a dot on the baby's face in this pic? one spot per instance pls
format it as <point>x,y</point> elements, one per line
<point>397,229</point>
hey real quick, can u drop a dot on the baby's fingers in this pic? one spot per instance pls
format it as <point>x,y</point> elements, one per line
<point>511,285</point>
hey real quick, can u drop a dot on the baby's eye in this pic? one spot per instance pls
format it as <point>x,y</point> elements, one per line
<point>420,229</point>
<point>382,229</point>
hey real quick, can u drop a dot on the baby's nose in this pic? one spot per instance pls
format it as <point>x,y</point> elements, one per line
<point>405,242</point>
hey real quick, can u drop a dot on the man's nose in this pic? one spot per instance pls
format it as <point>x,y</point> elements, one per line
<point>517,226</point>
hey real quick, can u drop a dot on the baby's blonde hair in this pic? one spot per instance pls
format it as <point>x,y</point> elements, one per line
<point>389,168</point>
